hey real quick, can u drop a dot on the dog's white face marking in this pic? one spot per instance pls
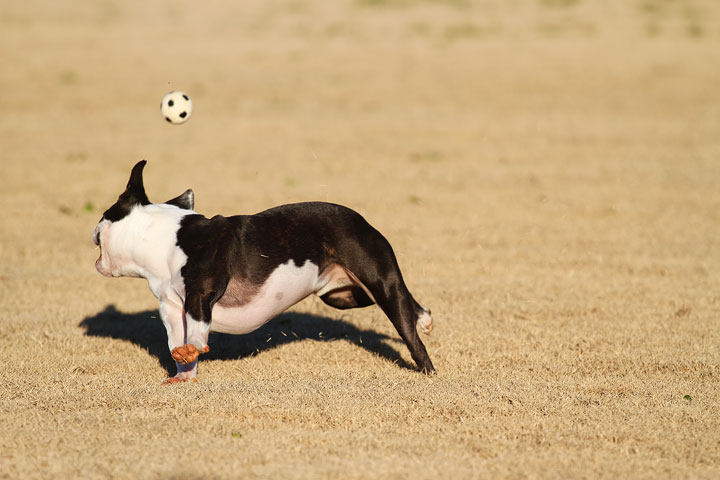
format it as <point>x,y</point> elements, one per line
<point>143,244</point>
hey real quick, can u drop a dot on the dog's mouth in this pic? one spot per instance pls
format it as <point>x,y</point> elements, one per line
<point>98,262</point>
<point>96,241</point>
<point>99,266</point>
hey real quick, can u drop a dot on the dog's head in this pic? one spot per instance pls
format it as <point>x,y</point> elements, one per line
<point>124,227</point>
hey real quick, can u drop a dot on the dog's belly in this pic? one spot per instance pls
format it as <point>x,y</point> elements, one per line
<point>246,308</point>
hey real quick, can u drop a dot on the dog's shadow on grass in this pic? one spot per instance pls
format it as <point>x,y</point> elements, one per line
<point>146,330</point>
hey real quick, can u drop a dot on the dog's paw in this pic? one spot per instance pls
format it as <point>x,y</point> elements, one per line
<point>187,353</point>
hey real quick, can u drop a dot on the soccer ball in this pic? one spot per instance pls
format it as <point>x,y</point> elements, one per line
<point>176,107</point>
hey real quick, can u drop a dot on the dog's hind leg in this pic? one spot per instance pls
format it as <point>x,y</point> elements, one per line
<point>374,265</point>
<point>405,313</point>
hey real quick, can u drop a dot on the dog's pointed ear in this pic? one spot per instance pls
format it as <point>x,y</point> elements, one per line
<point>134,194</point>
<point>185,200</point>
<point>135,189</point>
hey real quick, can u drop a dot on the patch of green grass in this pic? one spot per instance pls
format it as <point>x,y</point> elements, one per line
<point>89,207</point>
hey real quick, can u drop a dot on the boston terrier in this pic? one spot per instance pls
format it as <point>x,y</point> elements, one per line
<point>233,274</point>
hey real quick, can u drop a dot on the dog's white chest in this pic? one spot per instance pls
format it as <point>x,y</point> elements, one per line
<point>244,309</point>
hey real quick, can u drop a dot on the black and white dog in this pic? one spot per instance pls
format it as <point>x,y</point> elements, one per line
<point>233,274</point>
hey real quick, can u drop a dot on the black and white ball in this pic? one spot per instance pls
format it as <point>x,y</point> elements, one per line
<point>176,107</point>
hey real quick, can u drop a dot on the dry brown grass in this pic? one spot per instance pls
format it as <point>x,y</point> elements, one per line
<point>547,171</point>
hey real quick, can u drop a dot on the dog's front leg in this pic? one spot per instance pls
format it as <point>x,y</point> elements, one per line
<point>196,322</point>
<point>173,317</point>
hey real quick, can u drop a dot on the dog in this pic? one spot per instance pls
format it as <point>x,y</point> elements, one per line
<point>234,274</point>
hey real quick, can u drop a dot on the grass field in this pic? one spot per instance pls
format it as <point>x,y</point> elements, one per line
<point>548,172</point>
